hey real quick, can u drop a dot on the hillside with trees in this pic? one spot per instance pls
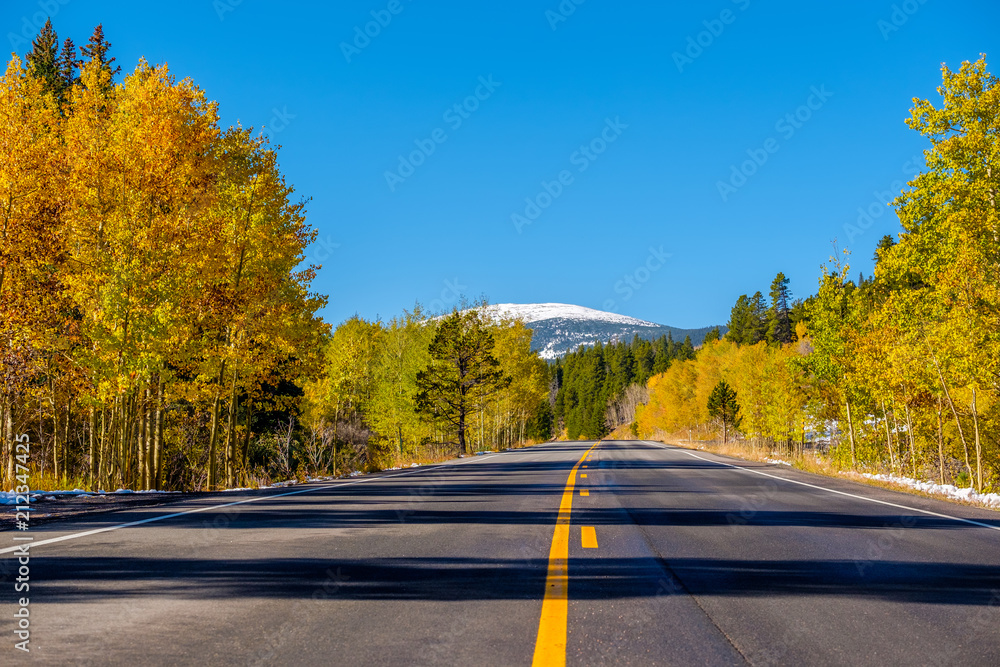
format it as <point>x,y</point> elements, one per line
<point>599,387</point>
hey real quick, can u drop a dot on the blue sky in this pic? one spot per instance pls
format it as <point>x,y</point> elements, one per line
<point>586,112</point>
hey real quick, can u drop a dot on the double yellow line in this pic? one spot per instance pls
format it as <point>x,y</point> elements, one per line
<point>550,646</point>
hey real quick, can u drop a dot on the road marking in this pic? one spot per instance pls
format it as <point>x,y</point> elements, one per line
<point>584,492</point>
<point>588,536</point>
<point>584,475</point>
<point>550,646</point>
<point>584,466</point>
<point>107,529</point>
<point>839,493</point>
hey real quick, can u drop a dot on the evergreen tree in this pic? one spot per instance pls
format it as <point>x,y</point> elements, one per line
<point>779,329</point>
<point>712,335</point>
<point>739,317</point>
<point>722,405</point>
<point>645,358</point>
<point>594,379</point>
<point>661,355</point>
<point>747,320</point>
<point>884,245</point>
<point>463,371</point>
<point>69,65</point>
<point>759,318</point>
<point>97,49</point>
<point>686,350</point>
<point>43,59</point>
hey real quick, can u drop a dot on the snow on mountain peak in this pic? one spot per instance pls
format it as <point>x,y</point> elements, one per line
<point>537,312</point>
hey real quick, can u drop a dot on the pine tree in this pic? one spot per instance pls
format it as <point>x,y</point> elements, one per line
<point>747,320</point>
<point>462,374</point>
<point>758,321</point>
<point>739,321</point>
<point>722,405</point>
<point>885,244</point>
<point>43,59</point>
<point>661,356</point>
<point>69,65</point>
<point>97,49</point>
<point>779,328</point>
<point>712,335</point>
<point>687,350</point>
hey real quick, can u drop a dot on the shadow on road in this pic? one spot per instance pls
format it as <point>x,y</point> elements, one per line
<point>76,580</point>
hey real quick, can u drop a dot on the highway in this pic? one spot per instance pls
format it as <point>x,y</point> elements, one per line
<point>582,553</point>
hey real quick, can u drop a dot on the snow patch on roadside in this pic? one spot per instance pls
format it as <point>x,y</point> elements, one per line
<point>968,495</point>
<point>10,497</point>
<point>778,462</point>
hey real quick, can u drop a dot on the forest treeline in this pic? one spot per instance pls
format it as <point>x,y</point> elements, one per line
<point>599,387</point>
<point>899,372</point>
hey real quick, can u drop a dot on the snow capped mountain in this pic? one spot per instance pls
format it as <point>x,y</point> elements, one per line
<point>537,312</point>
<point>560,327</point>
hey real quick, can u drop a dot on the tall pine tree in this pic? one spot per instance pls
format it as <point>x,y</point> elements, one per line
<point>43,59</point>
<point>69,64</point>
<point>462,374</point>
<point>748,320</point>
<point>722,405</point>
<point>779,326</point>
<point>97,49</point>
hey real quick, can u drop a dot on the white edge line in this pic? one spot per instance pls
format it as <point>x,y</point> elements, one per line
<point>107,529</point>
<point>823,488</point>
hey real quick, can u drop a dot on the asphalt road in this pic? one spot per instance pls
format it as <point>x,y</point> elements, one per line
<point>689,561</point>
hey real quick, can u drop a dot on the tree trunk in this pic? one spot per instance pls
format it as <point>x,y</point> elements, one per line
<point>850,428</point>
<point>8,436</point>
<point>140,445</point>
<point>909,433</point>
<point>150,438</point>
<point>129,442</point>
<point>92,473</point>
<point>65,438</point>
<point>888,439</point>
<point>55,429</point>
<point>212,438</point>
<point>230,436</point>
<point>979,449</point>
<point>114,458</point>
<point>102,450</point>
<point>940,434</point>
<point>157,466</point>
<point>399,450</point>
<point>954,412</point>
<point>245,457</point>
<point>461,433</point>
<point>288,444</point>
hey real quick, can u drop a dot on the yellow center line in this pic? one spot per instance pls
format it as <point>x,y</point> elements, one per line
<point>550,646</point>
<point>588,537</point>
<point>584,492</point>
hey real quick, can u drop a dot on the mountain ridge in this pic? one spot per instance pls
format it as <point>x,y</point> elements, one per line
<point>560,328</point>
